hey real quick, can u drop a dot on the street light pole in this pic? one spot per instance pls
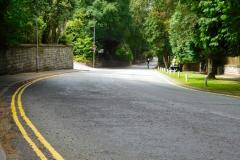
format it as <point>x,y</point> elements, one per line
<point>94,44</point>
<point>37,55</point>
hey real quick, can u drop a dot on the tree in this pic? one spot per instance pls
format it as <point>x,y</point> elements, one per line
<point>3,10</point>
<point>157,37</point>
<point>55,15</point>
<point>217,34</point>
<point>112,22</point>
<point>183,34</point>
<point>157,26</point>
<point>76,33</point>
<point>18,20</point>
<point>17,23</point>
<point>135,37</point>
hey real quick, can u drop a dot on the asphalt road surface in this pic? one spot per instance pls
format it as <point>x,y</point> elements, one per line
<point>131,114</point>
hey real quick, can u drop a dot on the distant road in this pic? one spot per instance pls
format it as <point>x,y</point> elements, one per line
<point>130,114</point>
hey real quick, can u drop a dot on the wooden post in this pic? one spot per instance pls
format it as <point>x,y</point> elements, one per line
<point>206,81</point>
<point>186,77</point>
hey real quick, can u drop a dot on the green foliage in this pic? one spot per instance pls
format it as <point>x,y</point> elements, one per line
<point>80,58</point>
<point>124,53</point>
<point>83,47</point>
<point>76,34</point>
<point>185,29</point>
<point>112,21</point>
<point>55,14</point>
<point>156,35</point>
<point>183,34</point>
<point>76,28</point>
<point>215,26</point>
<point>18,22</point>
<point>135,35</point>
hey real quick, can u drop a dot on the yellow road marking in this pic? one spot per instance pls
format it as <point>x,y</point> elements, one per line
<point>40,137</point>
<point>28,122</point>
<point>23,131</point>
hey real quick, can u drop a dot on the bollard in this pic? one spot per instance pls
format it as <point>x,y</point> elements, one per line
<point>206,81</point>
<point>186,77</point>
<point>178,74</point>
<point>158,68</point>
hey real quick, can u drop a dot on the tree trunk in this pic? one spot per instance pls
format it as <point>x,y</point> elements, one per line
<point>54,35</point>
<point>211,68</point>
<point>166,60</point>
<point>45,34</point>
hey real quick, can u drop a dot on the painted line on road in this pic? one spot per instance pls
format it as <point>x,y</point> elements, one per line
<point>28,122</point>
<point>24,133</point>
<point>40,137</point>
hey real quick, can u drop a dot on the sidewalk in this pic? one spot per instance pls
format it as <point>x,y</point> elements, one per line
<point>6,82</point>
<point>81,66</point>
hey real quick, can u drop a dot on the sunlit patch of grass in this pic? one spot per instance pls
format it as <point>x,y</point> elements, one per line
<point>197,80</point>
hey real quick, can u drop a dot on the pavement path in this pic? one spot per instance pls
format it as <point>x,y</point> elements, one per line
<point>131,113</point>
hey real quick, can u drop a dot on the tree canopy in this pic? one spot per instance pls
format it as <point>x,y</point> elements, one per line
<point>186,30</point>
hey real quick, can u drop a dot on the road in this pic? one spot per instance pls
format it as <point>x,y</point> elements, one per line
<point>130,114</point>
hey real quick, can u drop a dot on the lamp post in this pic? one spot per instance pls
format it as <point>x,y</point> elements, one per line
<point>37,55</point>
<point>94,44</point>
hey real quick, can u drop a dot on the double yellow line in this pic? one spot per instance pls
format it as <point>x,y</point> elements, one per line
<point>18,111</point>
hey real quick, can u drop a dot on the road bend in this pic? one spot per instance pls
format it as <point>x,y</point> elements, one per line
<point>130,114</point>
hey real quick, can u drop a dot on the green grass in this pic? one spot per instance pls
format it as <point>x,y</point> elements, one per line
<point>196,80</point>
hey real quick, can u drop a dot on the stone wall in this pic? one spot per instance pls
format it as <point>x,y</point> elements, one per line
<point>23,58</point>
<point>232,65</point>
<point>232,69</point>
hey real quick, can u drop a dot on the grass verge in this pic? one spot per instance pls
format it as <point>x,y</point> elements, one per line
<point>197,81</point>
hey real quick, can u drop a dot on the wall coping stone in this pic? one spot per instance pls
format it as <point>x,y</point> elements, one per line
<point>42,45</point>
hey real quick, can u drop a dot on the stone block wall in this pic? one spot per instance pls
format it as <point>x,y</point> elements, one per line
<point>232,65</point>
<point>23,58</point>
<point>232,69</point>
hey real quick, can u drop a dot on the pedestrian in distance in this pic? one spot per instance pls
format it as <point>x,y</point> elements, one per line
<point>148,61</point>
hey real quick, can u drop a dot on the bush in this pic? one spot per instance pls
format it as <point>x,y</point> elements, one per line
<point>124,53</point>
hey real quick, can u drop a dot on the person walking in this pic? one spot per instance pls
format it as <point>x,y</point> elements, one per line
<point>148,61</point>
